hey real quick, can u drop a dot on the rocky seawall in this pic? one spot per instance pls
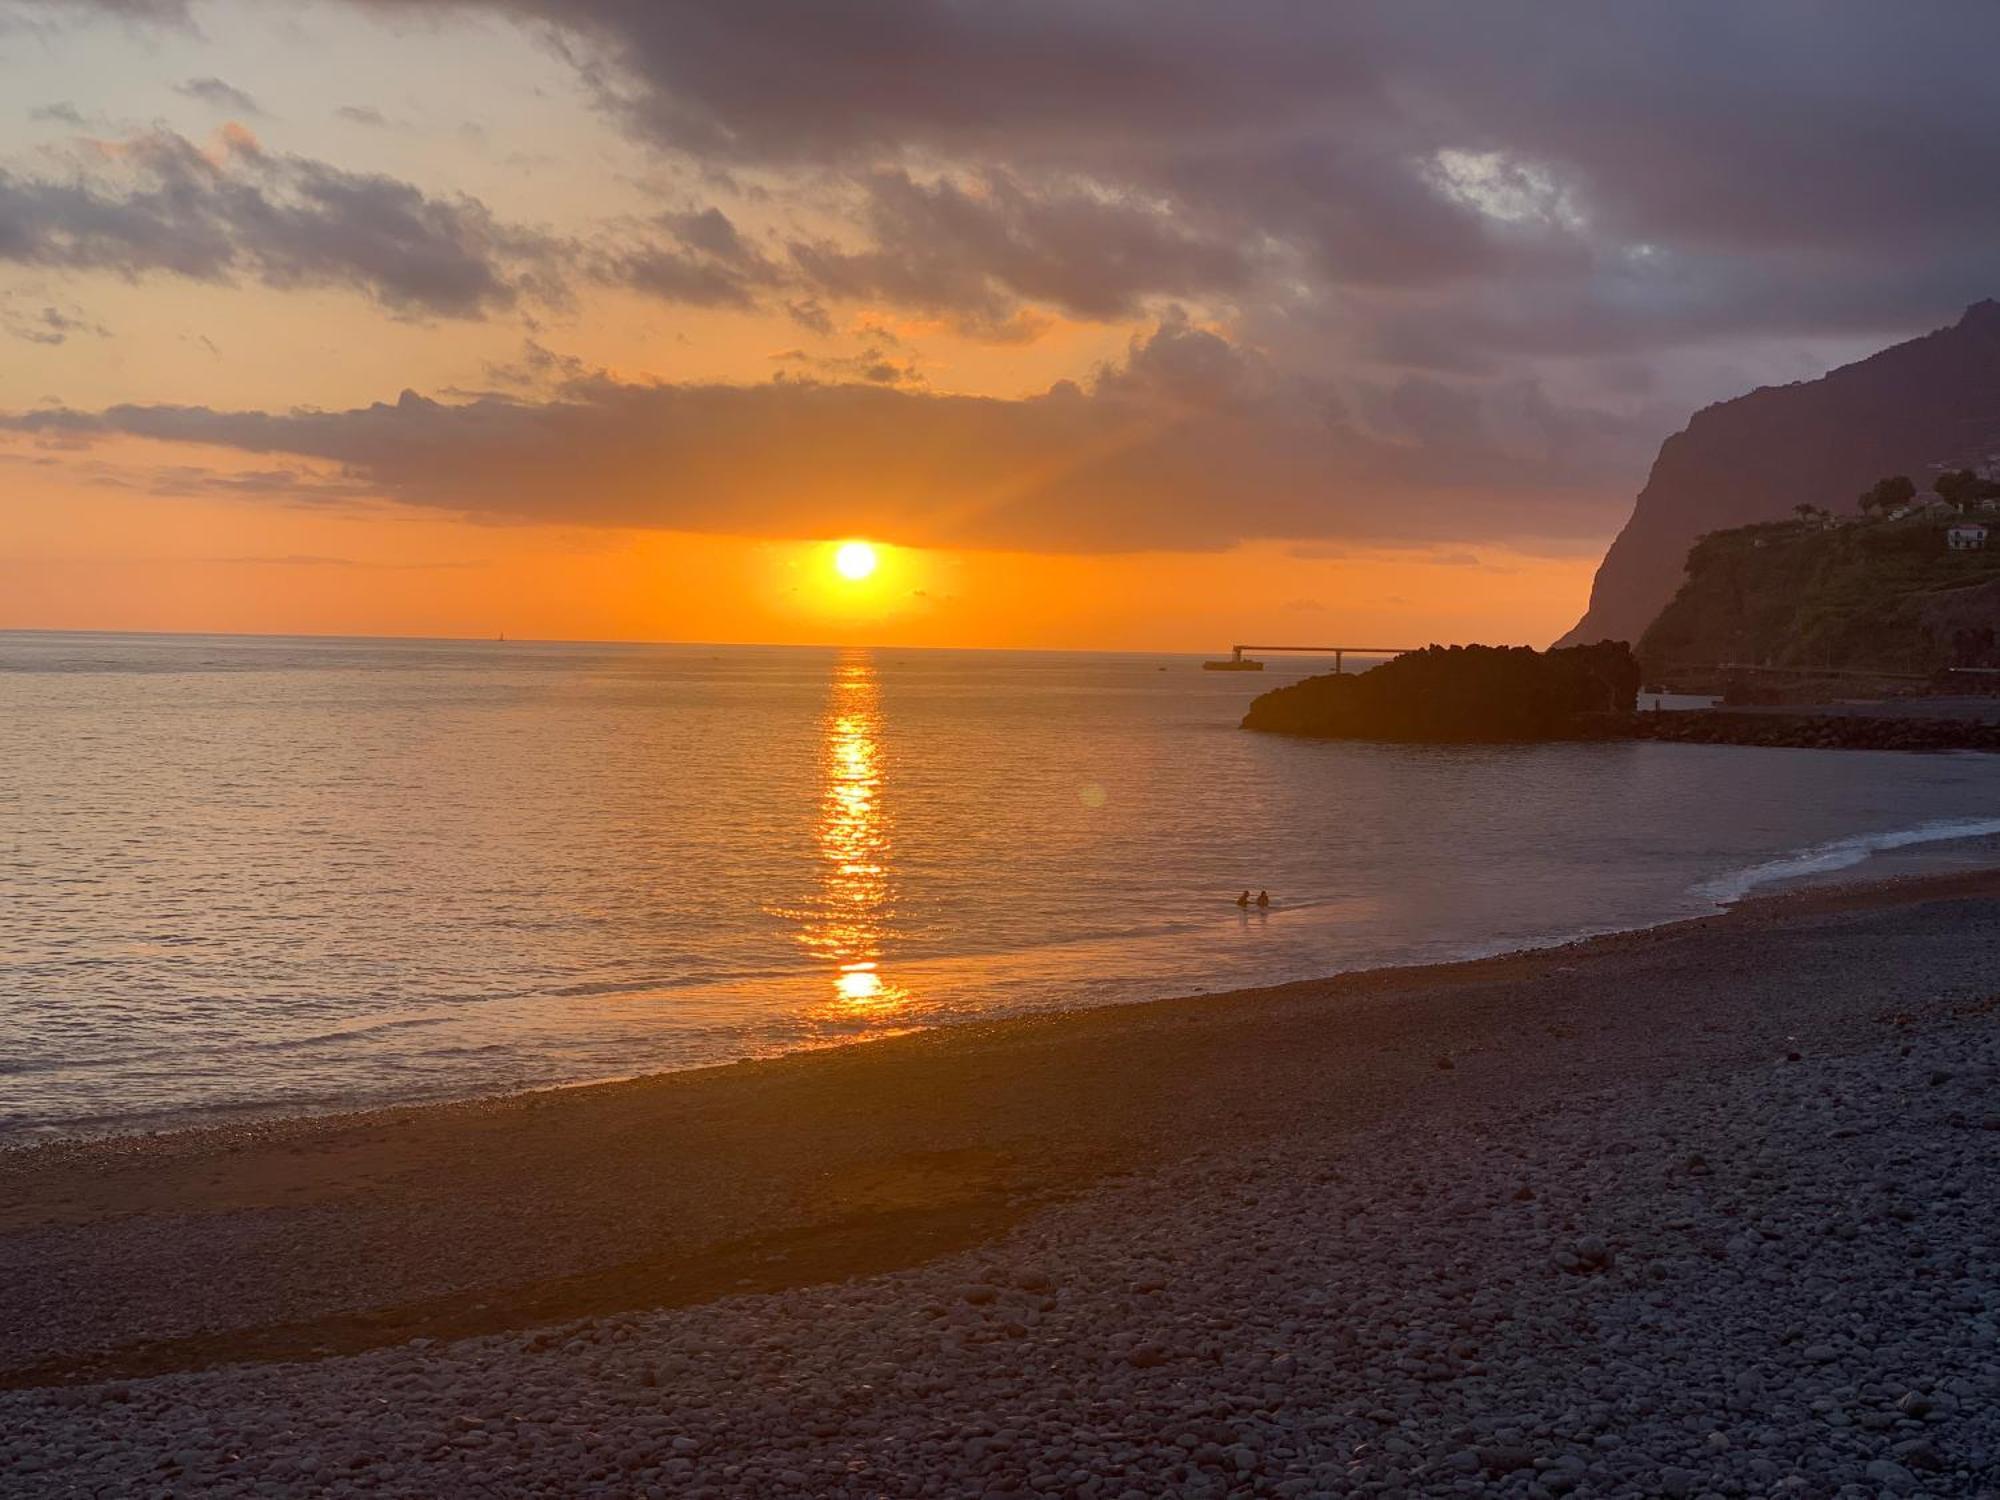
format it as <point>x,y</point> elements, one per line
<point>1795,731</point>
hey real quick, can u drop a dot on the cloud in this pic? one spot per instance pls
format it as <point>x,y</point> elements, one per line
<point>62,112</point>
<point>296,486</point>
<point>1463,253</point>
<point>47,325</point>
<point>1448,185</point>
<point>872,364</point>
<point>158,204</point>
<point>695,257</point>
<point>1188,444</point>
<point>1427,186</point>
<point>980,247</point>
<point>539,368</point>
<point>222,96</point>
<point>810,314</point>
<point>362,114</point>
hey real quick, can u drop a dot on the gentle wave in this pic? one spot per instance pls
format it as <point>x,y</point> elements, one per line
<point>1841,854</point>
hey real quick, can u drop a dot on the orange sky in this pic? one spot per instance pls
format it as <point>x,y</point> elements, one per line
<point>1339,497</point>
<point>106,560</point>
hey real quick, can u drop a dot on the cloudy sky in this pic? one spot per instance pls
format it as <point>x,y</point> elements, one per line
<point>1160,324</point>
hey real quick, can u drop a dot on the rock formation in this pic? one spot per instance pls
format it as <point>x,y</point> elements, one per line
<point>1458,694</point>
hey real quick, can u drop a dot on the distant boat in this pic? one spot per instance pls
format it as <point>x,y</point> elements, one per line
<point>1233,664</point>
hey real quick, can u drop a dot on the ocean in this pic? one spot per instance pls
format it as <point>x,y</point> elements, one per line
<point>263,874</point>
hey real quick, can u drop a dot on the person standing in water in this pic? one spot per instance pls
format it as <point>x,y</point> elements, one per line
<point>1263,898</point>
<point>1244,899</point>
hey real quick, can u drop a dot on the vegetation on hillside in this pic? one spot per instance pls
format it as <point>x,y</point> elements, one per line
<point>1886,596</point>
<point>1458,694</point>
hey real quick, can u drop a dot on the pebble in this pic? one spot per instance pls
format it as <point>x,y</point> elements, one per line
<point>1371,1315</point>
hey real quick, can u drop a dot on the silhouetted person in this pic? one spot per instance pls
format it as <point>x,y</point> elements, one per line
<point>1244,899</point>
<point>1263,898</point>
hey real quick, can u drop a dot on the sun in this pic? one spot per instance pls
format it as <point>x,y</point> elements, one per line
<point>854,560</point>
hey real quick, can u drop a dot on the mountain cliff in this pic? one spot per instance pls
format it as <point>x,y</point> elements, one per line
<point>1932,402</point>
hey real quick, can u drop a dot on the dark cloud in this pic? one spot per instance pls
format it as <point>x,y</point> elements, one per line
<point>983,246</point>
<point>539,368</point>
<point>791,80</point>
<point>810,314</point>
<point>1460,252</point>
<point>362,114</point>
<point>62,112</point>
<point>1447,186</point>
<point>1180,365</point>
<point>1188,444</point>
<point>1451,185</point>
<point>696,257</point>
<point>157,203</point>
<point>294,485</point>
<point>872,364</point>
<point>47,325</point>
<point>219,95</point>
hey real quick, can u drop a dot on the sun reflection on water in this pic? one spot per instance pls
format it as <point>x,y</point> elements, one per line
<point>850,922</point>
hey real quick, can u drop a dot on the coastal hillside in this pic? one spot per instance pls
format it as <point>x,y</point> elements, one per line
<point>1887,596</point>
<point>1931,403</point>
<point>1457,694</point>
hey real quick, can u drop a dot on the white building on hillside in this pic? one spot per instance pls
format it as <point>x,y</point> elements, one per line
<point>1923,503</point>
<point>1966,537</point>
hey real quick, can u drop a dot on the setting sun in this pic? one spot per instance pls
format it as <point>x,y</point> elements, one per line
<point>854,560</point>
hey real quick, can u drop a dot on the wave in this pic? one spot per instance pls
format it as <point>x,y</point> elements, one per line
<point>1841,854</point>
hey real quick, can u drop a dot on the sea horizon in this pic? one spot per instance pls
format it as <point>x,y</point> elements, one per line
<point>511,640</point>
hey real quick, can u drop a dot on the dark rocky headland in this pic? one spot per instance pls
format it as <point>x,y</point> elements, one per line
<point>1458,695</point>
<point>1515,695</point>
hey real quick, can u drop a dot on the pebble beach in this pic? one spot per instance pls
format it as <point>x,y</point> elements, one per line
<point>1709,1210</point>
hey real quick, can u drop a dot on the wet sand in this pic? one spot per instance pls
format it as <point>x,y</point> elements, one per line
<point>290,1240</point>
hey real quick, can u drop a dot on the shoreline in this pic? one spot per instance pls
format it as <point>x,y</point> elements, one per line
<point>936,1141</point>
<point>1703,1208</point>
<point>104,1130</point>
<point>1815,893</point>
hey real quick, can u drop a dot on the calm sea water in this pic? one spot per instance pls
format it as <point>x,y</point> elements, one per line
<point>241,874</point>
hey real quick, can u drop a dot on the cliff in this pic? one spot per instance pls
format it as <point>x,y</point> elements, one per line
<point>1883,596</point>
<point>1932,402</point>
<point>1458,694</point>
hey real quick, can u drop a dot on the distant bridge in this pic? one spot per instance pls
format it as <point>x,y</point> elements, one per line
<point>1336,652</point>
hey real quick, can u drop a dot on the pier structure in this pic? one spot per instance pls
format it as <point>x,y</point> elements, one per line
<point>1338,653</point>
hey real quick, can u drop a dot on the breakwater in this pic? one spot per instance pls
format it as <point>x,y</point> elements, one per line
<point>1795,731</point>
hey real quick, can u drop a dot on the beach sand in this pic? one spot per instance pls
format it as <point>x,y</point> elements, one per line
<point>1071,1237</point>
